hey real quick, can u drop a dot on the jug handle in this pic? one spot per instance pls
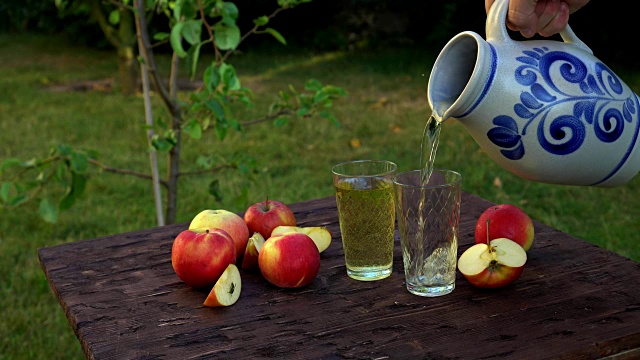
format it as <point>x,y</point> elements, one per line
<point>496,27</point>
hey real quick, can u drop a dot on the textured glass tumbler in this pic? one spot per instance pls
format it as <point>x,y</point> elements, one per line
<point>428,218</point>
<point>366,211</point>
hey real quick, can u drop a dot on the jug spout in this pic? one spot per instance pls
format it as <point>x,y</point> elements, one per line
<point>460,76</point>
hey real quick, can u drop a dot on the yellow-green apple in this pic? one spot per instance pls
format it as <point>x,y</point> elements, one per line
<point>227,289</point>
<point>227,221</point>
<point>266,215</point>
<point>492,266</point>
<point>507,221</point>
<point>319,234</point>
<point>250,258</point>
<point>200,256</point>
<point>289,260</point>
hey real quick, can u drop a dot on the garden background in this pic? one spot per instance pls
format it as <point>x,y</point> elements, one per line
<point>380,52</point>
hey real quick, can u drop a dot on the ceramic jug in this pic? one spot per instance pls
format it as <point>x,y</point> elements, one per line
<point>546,110</point>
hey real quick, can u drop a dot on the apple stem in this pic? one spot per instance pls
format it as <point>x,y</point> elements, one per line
<point>488,222</point>
<point>488,238</point>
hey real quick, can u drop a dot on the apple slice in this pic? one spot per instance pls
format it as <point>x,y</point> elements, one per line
<point>495,265</point>
<point>227,289</point>
<point>319,234</point>
<point>250,258</point>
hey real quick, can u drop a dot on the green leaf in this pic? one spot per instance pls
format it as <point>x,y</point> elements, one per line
<point>212,77</point>
<point>313,85</point>
<point>79,163</point>
<point>216,108</point>
<point>261,21</point>
<point>161,36</point>
<point>302,111</point>
<point>246,100</point>
<point>10,163</point>
<point>192,127</point>
<point>170,136</point>
<point>328,115</point>
<point>206,122</point>
<point>214,189</point>
<point>114,17</point>
<point>63,150</point>
<point>192,31</point>
<point>285,96</point>
<point>221,129</point>
<point>177,10</point>
<point>4,191</point>
<point>226,37</point>
<point>234,124</point>
<point>281,121</point>
<point>161,143</point>
<point>48,211</point>
<point>230,9</point>
<point>229,77</point>
<point>320,97</point>
<point>18,199</point>
<point>334,90</point>
<point>194,54</point>
<point>78,185</point>
<point>176,39</point>
<point>61,172</point>
<point>276,35</point>
<point>189,9</point>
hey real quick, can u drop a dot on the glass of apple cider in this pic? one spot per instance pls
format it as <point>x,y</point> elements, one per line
<point>428,217</point>
<point>366,211</point>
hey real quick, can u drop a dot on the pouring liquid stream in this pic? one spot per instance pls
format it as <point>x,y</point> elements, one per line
<point>429,147</point>
<point>430,139</point>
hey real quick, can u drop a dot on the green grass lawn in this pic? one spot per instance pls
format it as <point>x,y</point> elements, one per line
<point>383,117</point>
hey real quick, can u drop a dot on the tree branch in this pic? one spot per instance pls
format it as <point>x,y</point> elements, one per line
<point>124,171</point>
<point>267,117</point>
<point>248,33</point>
<point>209,30</point>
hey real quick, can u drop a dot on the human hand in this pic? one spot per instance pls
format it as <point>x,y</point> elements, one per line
<point>545,17</point>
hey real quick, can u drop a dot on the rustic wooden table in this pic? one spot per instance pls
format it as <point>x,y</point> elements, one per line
<point>123,301</point>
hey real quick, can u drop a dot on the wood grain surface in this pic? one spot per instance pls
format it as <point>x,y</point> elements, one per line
<point>123,301</point>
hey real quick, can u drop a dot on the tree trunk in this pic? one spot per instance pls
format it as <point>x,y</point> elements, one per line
<point>127,81</point>
<point>127,63</point>
<point>124,39</point>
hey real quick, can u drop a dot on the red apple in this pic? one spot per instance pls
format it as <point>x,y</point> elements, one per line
<point>250,258</point>
<point>227,221</point>
<point>266,215</point>
<point>289,260</point>
<point>227,289</point>
<point>492,266</point>
<point>507,221</point>
<point>200,256</point>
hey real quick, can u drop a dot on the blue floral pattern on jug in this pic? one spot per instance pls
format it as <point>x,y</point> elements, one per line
<point>595,104</point>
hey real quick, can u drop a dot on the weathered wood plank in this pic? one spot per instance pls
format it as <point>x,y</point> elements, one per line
<point>123,300</point>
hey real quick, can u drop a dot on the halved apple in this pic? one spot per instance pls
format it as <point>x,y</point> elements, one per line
<point>495,265</point>
<point>250,258</point>
<point>227,289</point>
<point>319,234</point>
